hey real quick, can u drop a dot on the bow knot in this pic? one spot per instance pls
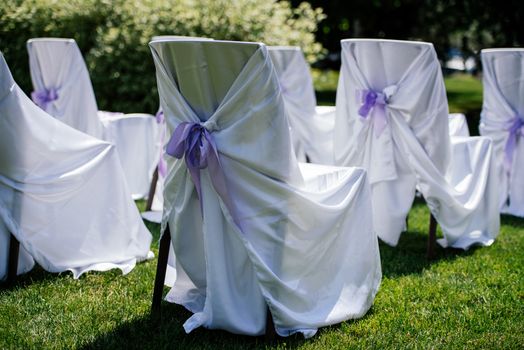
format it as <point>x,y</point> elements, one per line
<point>516,129</point>
<point>374,103</point>
<point>194,142</point>
<point>42,98</point>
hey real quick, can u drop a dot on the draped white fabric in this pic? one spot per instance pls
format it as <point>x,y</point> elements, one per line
<point>135,136</point>
<point>311,126</point>
<point>503,105</point>
<point>458,126</point>
<point>57,65</point>
<point>414,148</point>
<point>61,193</point>
<point>305,248</point>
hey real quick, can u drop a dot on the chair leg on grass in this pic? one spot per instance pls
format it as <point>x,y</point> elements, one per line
<point>163,255</point>
<point>271,334</point>
<point>432,237</point>
<point>152,190</point>
<point>12,267</point>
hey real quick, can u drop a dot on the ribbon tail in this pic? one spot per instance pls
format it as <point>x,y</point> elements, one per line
<point>379,119</point>
<point>218,180</point>
<point>162,166</point>
<point>195,176</point>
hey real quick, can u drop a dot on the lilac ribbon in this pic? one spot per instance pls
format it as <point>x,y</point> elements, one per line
<point>43,97</point>
<point>195,143</point>
<point>159,117</point>
<point>375,103</point>
<point>516,129</point>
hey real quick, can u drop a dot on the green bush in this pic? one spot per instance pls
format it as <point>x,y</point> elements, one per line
<point>113,36</point>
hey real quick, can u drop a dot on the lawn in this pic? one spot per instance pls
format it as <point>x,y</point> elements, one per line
<point>472,299</point>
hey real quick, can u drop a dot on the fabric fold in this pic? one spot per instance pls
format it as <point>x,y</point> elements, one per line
<point>500,120</point>
<point>62,194</point>
<point>411,148</point>
<point>288,212</point>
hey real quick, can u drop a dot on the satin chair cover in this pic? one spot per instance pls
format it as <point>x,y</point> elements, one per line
<point>57,65</point>
<point>299,239</point>
<point>414,150</point>
<point>458,126</point>
<point>503,105</point>
<point>311,126</point>
<point>61,194</point>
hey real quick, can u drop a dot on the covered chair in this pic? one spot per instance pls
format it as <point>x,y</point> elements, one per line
<point>311,125</point>
<point>502,119</point>
<point>62,194</point>
<point>392,119</point>
<point>251,228</point>
<point>63,89</point>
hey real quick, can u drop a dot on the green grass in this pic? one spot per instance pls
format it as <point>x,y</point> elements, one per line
<point>472,299</point>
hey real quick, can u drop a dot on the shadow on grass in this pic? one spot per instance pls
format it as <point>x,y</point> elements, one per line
<point>166,331</point>
<point>36,275</point>
<point>410,255</point>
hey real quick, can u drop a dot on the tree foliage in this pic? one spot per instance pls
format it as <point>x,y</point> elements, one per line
<point>113,36</point>
<point>469,25</point>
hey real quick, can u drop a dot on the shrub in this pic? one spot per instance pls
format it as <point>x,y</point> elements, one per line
<point>113,36</point>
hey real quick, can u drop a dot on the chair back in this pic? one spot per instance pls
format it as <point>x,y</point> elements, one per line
<point>408,76</point>
<point>502,119</point>
<point>297,90</point>
<point>62,86</point>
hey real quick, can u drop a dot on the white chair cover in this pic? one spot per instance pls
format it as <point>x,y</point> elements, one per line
<point>137,141</point>
<point>413,148</point>
<point>61,193</point>
<point>458,126</point>
<point>502,118</point>
<point>311,126</point>
<point>298,239</point>
<point>57,66</point>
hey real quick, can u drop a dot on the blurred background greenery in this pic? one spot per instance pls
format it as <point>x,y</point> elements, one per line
<point>113,36</point>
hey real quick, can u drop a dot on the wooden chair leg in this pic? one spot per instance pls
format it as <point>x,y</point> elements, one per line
<point>163,255</point>
<point>271,334</point>
<point>152,190</point>
<point>12,267</point>
<point>432,238</point>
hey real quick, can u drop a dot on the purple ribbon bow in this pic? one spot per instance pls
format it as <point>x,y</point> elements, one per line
<point>516,129</point>
<point>195,143</point>
<point>42,98</point>
<point>375,103</point>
